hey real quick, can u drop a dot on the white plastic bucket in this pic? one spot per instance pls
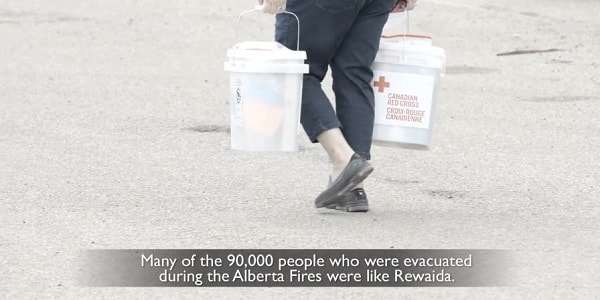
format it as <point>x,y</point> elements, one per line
<point>265,96</point>
<point>407,72</point>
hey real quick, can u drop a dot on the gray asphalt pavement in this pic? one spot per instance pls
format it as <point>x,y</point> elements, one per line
<point>114,134</point>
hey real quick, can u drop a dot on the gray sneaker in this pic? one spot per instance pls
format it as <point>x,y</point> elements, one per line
<point>355,201</point>
<point>353,174</point>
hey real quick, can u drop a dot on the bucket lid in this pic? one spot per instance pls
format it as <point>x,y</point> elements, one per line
<point>264,50</point>
<point>415,50</point>
<point>258,67</point>
<point>408,39</point>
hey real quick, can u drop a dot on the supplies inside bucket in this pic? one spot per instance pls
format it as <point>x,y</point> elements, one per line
<point>265,96</point>
<point>407,72</point>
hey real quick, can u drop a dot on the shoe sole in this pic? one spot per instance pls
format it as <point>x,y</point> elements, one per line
<point>356,205</point>
<point>352,183</point>
<point>350,207</point>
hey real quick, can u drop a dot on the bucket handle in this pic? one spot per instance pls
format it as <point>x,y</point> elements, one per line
<point>406,28</point>
<point>406,32</point>
<point>259,7</point>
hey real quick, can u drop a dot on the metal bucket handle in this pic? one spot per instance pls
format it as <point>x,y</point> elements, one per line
<point>406,32</point>
<point>406,28</point>
<point>259,7</point>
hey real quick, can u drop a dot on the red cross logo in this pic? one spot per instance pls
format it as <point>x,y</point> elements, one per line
<point>381,84</point>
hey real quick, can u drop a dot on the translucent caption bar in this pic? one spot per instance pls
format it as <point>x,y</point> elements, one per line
<point>297,268</point>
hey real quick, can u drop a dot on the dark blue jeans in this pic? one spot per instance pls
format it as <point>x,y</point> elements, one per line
<point>343,35</point>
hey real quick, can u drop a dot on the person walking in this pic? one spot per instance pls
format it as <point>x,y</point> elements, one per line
<point>342,35</point>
